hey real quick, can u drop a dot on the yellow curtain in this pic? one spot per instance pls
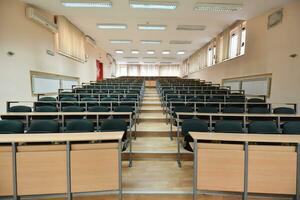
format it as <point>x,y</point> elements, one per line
<point>70,41</point>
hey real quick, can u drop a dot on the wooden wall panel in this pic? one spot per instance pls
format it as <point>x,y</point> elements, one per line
<point>42,172</point>
<point>220,167</point>
<point>272,169</point>
<point>6,173</point>
<point>94,170</point>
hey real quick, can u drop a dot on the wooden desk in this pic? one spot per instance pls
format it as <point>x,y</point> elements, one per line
<point>73,165</point>
<point>241,167</point>
<point>27,115</point>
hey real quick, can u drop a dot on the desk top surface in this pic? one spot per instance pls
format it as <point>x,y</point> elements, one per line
<point>62,113</point>
<point>237,114</point>
<point>266,138</point>
<point>60,137</point>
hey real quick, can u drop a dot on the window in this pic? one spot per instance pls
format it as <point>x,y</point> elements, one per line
<point>221,49</point>
<point>210,57</point>
<point>214,55</point>
<point>49,84</point>
<point>122,70</point>
<point>233,49</point>
<point>243,40</point>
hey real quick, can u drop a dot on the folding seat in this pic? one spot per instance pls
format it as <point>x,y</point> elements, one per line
<point>46,101</point>
<point>284,110</point>
<point>73,109</point>
<point>115,125</point>
<point>208,109</point>
<point>11,127</point>
<point>191,125</point>
<point>17,109</point>
<point>43,126</point>
<point>128,102</point>
<point>91,101</point>
<point>186,109</point>
<point>68,101</point>
<point>124,117</point>
<point>109,101</point>
<point>42,109</point>
<point>228,126</point>
<point>263,127</point>
<point>292,127</point>
<point>259,110</point>
<point>233,109</point>
<point>79,126</point>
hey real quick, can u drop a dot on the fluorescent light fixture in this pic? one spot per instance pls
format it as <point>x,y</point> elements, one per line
<point>150,58</point>
<point>149,62</point>
<point>150,52</point>
<point>218,7</point>
<point>169,58</point>
<point>130,57</point>
<point>135,52</point>
<point>153,5</point>
<point>112,26</point>
<point>191,28</point>
<point>152,27</point>
<point>151,41</point>
<point>180,42</point>
<point>180,53</point>
<point>119,51</point>
<point>120,41</point>
<point>166,52</point>
<point>87,3</point>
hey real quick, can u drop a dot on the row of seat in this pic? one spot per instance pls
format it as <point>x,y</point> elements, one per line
<point>232,126</point>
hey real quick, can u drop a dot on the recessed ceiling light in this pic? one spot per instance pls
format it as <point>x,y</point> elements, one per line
<point>135,52</point>
<point>151,41</point>
<point>218,7</point>
<point>150,52</point>
<point>120,41</point>
<point>191,28</point>
<point>153,5</point>
<point>180,53</point>
<point>166,52</point>
<point>180,42</point>
<point>119,51</point>
<point>152,27</point>
<point>112,26</point>
<point>87,4</point>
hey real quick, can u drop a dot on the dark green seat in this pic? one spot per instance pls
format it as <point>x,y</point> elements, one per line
<point>284,110</point>
<point>91,101</point>
<point>186,109</point>
<point>124,117</point>
<point>73,109</point>
<point>79,126</point>
<point>114,125</point>
<point>46,101</point>
<point>208,109</point>
<point>258,110</point>
<point>98,109</point>
<point>45,109</point>
<point>11,127</point>
<point>67,101</point>
<point>263,127</point>
<point>292,127</point>
<point>43,126</point>
<point>228,126</point>
<point>191,125</point>
<point>233,109</point>
<point>17,109</point>
<point>128,101</point>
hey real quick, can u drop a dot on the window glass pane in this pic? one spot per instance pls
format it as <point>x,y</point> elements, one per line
<point>214,55</point>
<point>67,84</point>
<point>209,57</point>
<point>45,85</point>
<point>233,45</point>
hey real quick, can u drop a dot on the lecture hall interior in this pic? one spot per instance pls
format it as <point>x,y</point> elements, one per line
<point>150,99</point>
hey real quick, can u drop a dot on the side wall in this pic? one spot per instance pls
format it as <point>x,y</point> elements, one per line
<point>267,51</point>
<point>29,42</point>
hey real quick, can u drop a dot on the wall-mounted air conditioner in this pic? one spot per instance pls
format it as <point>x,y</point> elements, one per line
<point>36,16</point>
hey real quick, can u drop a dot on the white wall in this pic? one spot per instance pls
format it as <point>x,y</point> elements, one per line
<point>267,51</point>
<point>29,42</point>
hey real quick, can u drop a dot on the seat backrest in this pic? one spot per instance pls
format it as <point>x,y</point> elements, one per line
<point>19,109</point>
<point>194,125</point>
<point>109,99</point>
<point>208,109</point>
<point>114,125</point>
<point>79,125</point>
<point>263,127</point>
<point>88,99</point>
<point>284,110</point>
<point>11,127</point>
<point>98,109</point>
<point>44,126</point>
<point>292,127</point>
<point>68,99</point>
<point>228,126</point>
<point>183,109</point>
<point>46,109</point>
<point>258,110</point>
<point>73,109</point>
<point>47,99</point>
<point>233,109</point>
<point>124,109</point>
<point>256,100</point>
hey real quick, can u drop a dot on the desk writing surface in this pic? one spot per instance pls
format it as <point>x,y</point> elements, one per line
<point>280,138</point>
<point>62,113</point>
<point>60,137</point>
<point>237,114</point>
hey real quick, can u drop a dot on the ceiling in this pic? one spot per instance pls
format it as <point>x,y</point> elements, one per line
<point>87,18</point>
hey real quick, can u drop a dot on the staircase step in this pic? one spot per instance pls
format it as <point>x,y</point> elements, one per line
<point>153,127</point>
<point>151,104</point>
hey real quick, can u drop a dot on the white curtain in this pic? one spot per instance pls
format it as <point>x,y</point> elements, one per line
<point>122,70</point>
<point>133,70</point>
<point>149,70</point>
<point>169,70</point>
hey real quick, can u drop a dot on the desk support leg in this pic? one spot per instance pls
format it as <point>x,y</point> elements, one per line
<point>120,168</point>
<point>245,194</point>
<point>130,144</point>
<point>69,187</point>
<point>14,164</point>
<point>195,180</point>
<point>298,173</point>
<point>178,144</point>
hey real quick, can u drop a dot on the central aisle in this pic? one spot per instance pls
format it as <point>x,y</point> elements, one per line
<point>155,170</point>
